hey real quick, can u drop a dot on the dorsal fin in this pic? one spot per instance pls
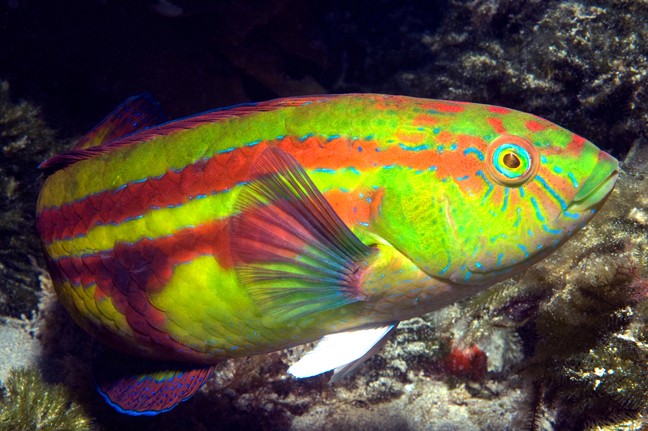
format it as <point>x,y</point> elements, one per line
<point>97,143</point>
<point>135,114</point>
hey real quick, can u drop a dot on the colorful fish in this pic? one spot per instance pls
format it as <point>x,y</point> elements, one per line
<point>262,226</point>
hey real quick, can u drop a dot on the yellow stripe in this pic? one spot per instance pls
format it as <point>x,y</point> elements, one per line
<point>153,224</point>
<point>350,116</point>
<point>156,156</point>
<point>167,221</point>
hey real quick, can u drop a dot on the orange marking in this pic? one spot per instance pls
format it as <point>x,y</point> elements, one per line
<point>499,110</point>
<point>535,126</point>
<point>443,107</point>
<point>423,120</point>
<point>497,124</point>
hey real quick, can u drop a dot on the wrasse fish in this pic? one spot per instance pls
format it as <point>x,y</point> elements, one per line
<point>262,226</point>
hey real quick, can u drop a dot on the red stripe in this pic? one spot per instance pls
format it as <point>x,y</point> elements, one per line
<point>214,175</point>
<point>443,106</point>
<point>204,177</point>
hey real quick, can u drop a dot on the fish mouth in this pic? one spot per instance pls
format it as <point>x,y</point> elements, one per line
<point>597,186</point>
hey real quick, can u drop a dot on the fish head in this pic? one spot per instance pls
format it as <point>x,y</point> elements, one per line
<point>501,200</point>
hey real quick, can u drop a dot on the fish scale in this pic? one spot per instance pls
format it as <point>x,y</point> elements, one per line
<point>232,232</point>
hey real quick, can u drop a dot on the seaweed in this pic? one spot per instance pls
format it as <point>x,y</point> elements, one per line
<point>28,403</point>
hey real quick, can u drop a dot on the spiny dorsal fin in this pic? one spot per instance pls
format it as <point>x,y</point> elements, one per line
<point>135,114</point>
<point>292,251</point>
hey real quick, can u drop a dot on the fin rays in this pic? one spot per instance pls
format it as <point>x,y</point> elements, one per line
<point>293,253</point>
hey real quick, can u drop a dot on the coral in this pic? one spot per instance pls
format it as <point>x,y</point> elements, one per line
<point>28,403</point>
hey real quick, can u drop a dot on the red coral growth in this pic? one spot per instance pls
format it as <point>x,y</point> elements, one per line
<point>469,363</point>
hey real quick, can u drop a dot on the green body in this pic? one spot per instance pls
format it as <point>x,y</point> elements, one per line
<point>138,237</point>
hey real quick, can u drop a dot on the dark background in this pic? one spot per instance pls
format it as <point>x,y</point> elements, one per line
<point>79,59</point>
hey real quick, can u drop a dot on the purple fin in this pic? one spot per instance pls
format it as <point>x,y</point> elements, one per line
<point>148,388</point>
<point>292,251</point>
<point>135,114</point>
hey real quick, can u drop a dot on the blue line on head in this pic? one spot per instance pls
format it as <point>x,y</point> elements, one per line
<point>488,183</point>
<point>552,192</point>
<point>413,148</point>
<point>573,180</point>
<point>539,215</point>
<point>475,151</point>
<point>506,196</point>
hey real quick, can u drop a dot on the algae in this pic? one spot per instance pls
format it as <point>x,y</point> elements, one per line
<point>581,64</point>
<point>24,142</point>
<point>30,404</point>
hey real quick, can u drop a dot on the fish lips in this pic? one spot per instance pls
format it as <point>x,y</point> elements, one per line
<point>598,185</point>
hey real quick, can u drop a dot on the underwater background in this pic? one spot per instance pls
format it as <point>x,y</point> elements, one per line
<point>563,346</point>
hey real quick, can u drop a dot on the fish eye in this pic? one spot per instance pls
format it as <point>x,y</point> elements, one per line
<point>512,160</point>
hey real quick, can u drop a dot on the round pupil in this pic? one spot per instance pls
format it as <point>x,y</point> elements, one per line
<point>511,161</point>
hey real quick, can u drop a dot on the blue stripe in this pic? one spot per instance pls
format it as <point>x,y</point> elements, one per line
<point>414,148</point>
<point>539,215</point>
<point>303,138</point>
<point>558,199</point>
<point>549,230</point>
<point>573,180</point>
<point>474,151</point>
<point>552,192</point>
<point>444,270</point>
<point>490,185</point>
<point>519,217</point>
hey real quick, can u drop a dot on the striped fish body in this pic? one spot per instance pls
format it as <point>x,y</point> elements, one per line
<point>140,231</point>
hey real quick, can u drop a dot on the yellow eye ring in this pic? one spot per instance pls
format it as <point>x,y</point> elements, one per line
<point>512,161</point>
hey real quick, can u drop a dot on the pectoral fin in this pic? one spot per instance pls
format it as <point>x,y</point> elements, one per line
<point>342,352</point>
<point>292,252</point>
